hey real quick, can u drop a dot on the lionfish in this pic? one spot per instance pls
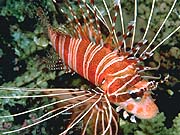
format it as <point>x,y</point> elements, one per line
<point>93,48</point>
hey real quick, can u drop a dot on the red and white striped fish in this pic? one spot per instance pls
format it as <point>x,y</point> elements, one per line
<point>108,61</point>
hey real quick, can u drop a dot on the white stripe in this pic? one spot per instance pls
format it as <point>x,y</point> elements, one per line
<point>103,60</point>
<point>53,38</point>
<point>62,44</point>
<point>70,51</point>
<point>88,49</point>
<point>73,51</point>
<point>121,71</point>
<point>121,88</point>
<point>114,60</point>
<point>115,14</point>
<point>75,54</point>
<point>92,54</point>
<point>116,78</point>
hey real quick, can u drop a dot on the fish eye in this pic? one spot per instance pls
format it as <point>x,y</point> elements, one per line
<point>135,95</point>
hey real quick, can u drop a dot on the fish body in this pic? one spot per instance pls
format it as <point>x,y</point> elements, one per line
<point>111,71</point>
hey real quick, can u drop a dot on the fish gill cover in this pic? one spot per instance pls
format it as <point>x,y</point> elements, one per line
<point>26,60</point>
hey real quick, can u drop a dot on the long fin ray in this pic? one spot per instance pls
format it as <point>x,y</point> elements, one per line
<point>50,117</point>
<point>110,116</point>
<point>87,122</point>
<point>157,33</point>
<point>44,106</point>
<point>100,97</point>
<point>149,20</point>
<point>135,22</point>
<point>78,116</point>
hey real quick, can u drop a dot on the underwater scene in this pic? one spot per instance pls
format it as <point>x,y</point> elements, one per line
<point>90,67</point>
